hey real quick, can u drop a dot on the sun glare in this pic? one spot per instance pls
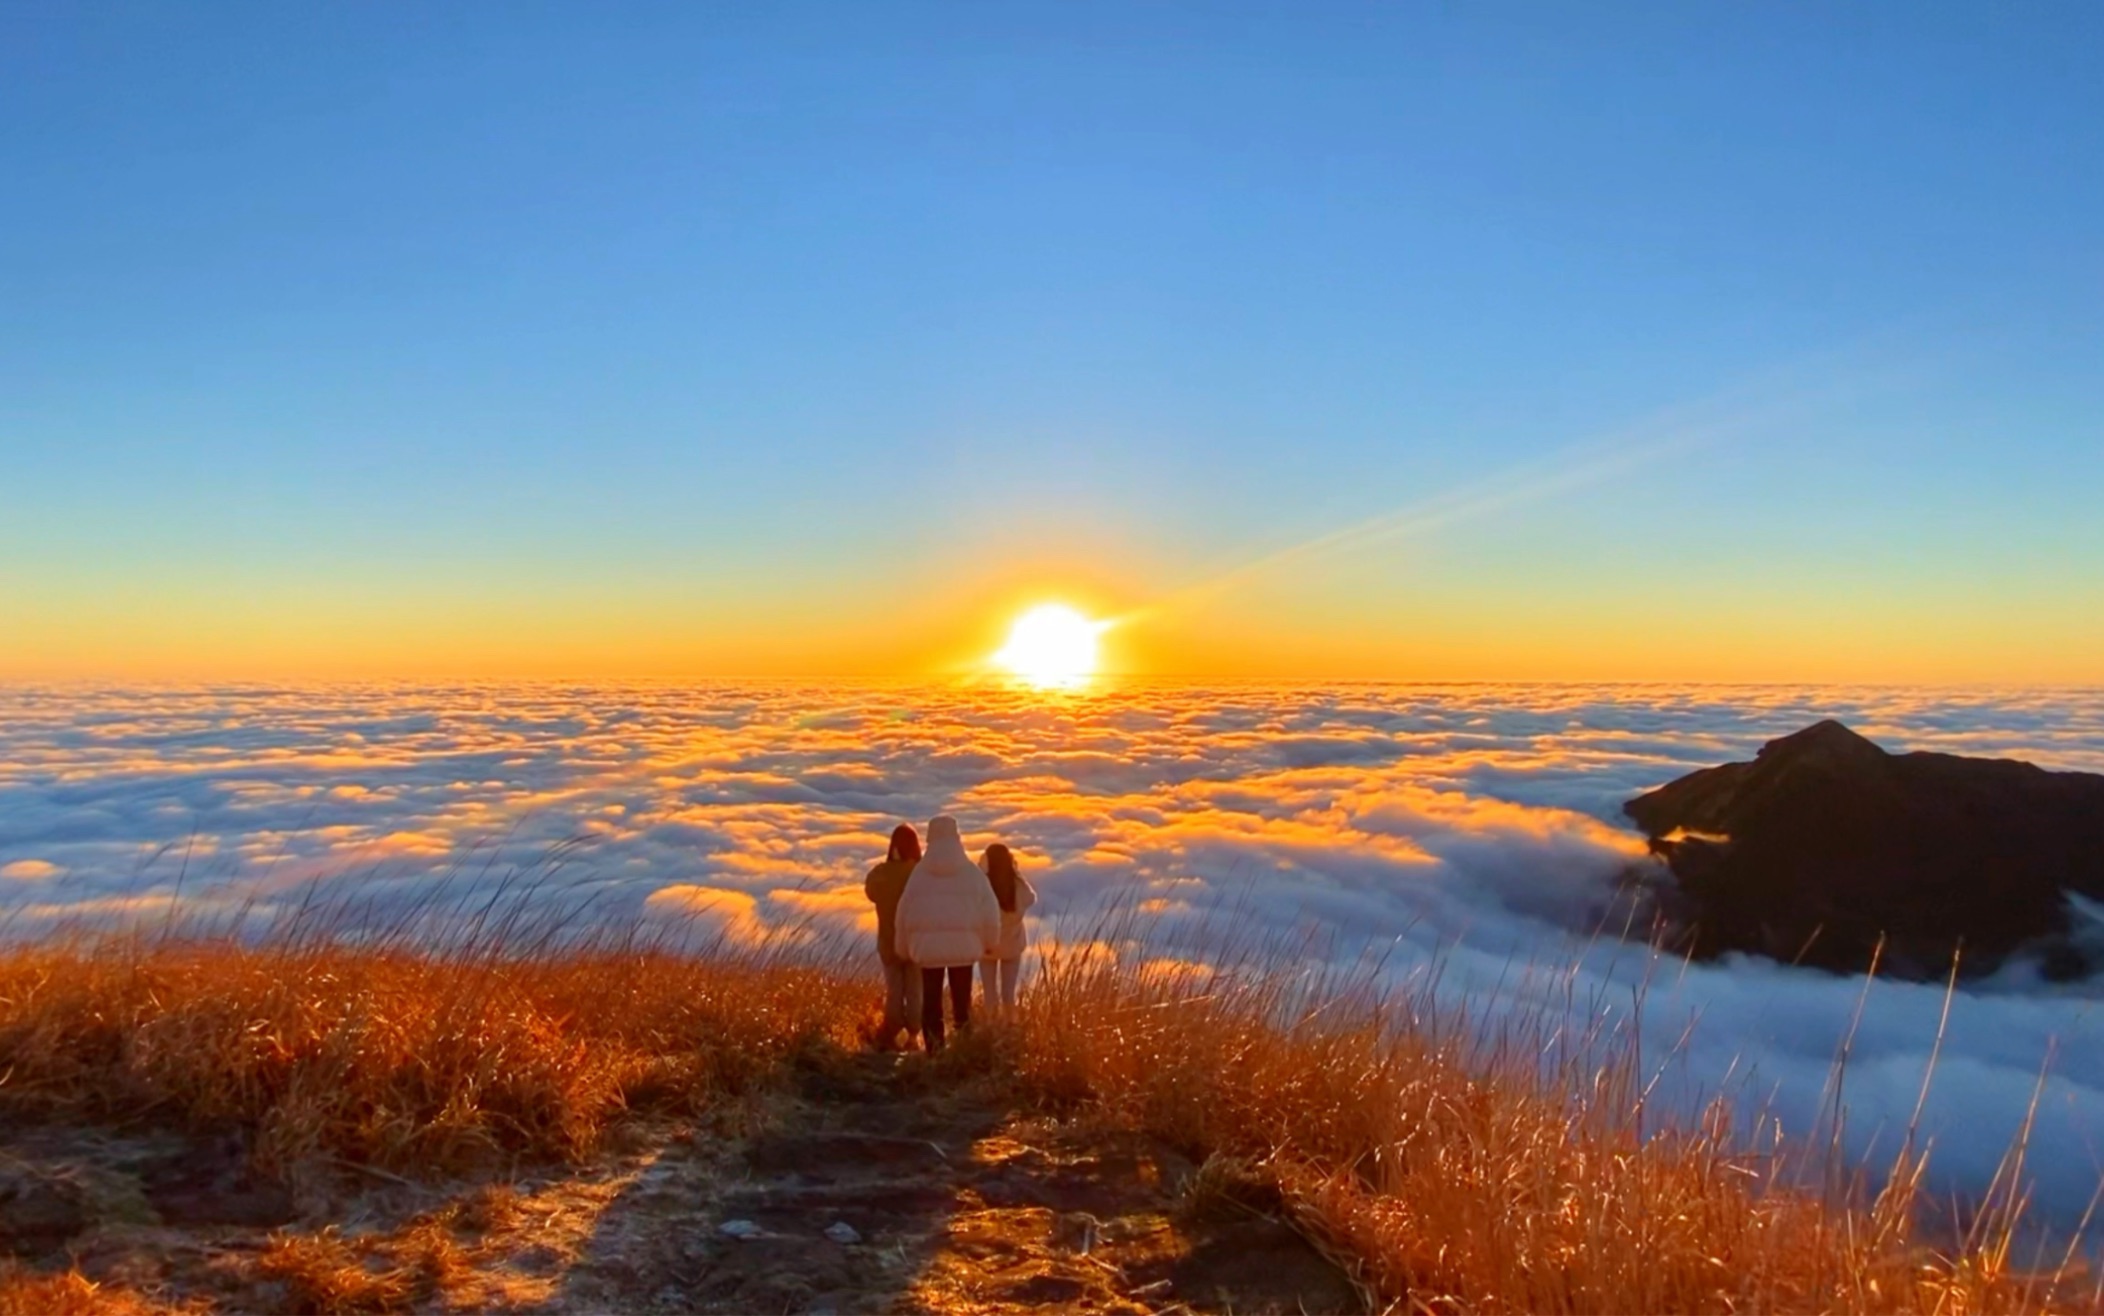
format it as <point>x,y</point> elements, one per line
<point>1052,647</point>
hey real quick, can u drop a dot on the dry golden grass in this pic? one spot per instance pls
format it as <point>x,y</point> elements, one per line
<point>394,1060</point>
<point>1464,1175</point>
<point>441,1259</point>
<point>1454,1174</point>
<point>24,1292</point>
<point>324,1275</point>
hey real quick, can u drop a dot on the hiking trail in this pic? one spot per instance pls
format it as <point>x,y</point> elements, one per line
<point>875,1183</point>
<point>955,1205</point>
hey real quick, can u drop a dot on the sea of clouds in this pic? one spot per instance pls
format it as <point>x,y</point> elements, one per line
<point>1472,828</point>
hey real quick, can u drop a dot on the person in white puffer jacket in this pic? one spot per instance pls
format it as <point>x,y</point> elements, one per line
<point>948,921</point>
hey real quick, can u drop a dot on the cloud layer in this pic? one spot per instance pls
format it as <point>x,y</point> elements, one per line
<point>1475,827</point>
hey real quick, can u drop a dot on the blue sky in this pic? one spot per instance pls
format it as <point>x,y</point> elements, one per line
<point>731,336</point>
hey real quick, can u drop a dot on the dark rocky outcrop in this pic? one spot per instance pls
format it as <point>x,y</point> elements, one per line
<point>1825,843</point>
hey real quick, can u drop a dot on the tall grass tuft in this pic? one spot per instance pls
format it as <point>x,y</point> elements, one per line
<point>436,1062</point>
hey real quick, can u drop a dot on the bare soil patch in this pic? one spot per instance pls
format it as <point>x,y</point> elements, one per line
<point>877,1183</point>
<point>887,1186</point>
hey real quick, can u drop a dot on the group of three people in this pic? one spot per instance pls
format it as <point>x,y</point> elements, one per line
<point>938,915</point>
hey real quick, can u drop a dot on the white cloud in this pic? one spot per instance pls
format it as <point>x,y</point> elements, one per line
<point>1474,827</point>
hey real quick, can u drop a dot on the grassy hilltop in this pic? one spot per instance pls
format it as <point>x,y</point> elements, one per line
<point>406,1112</point>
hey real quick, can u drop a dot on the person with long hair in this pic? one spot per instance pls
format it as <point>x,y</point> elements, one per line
<point>1013,892</point>
<point>948,922</point>
<point>902,981</point>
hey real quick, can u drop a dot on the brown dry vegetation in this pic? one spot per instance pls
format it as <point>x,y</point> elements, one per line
<point>1450,1173</point>
<point>395,1060</point>
<point>1467,1176</point>
<point>24,1292</point>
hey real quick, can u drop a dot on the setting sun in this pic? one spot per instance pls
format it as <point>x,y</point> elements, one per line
<point>1052,646</point>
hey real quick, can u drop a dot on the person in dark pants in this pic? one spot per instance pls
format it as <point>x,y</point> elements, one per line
<point>960,976</point>
<point>902,980</point>
<point>948,921</point>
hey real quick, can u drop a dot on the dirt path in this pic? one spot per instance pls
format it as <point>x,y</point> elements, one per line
<point>882,1190</point>
<point>878,1183</point>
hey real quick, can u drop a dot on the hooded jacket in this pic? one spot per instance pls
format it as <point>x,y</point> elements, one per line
<point>948,917</point>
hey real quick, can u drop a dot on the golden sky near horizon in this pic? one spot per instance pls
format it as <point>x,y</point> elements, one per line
<point>1265,630</point>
